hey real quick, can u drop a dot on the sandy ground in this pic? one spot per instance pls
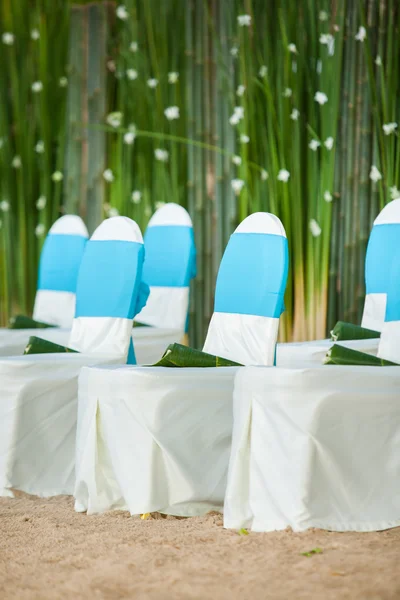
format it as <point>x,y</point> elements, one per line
<point>47,551</point>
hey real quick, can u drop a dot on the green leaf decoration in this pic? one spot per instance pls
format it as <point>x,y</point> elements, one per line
<point>312,552</point>
<point>38,346</point>
<point>178,356</point>
<point>23,322</point>
<point>243,531</point>
<point>340,355</point>
<point>137,324</point>
<point>347,331</point>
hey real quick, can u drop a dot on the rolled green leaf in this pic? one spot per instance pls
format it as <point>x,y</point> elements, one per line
<point>37,345</point>
<point>340,355</point>
<point>347,331</point>
<point>178,356</point>
<point>137,324</point>
<point>23,322</point>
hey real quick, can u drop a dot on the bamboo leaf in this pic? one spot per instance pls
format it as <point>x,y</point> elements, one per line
<point>178,356</point>
<point>347,331</point>
<point>340,355</point>
<point>37,345</point>
<point>23,322</point>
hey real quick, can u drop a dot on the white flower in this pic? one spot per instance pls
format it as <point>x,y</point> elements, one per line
<point>287,93</point>
<point>389,128</point>
<point>327,196</point>
<point>283,175</point>
<point>238,114</point>
<point>4,206</point>
<point>292,48</point>
<point>236,160</point>
<point>328,40</point>
<point>161,155</point>
<point>328,143</point>
<point>244,138</point>
<point>39,148</point>
<point>378,61</point>
<point>121,12</point>
<point>173,77</point>
<point>108,175</point>
<point>336,28</point>
<point>16,162</point>
<point>7,38</point>
<point>321,98</point>
<point>263,71</point>
<point>264,175</point>
<point>152,83</point>
<point>129,138</point>
<point>57,176</point>
<point>314,145</point>
<point>159,205</point>
<point>234,119</point>
<point>63,82</point>
<point>361,34</point>
<point>294,115</point>
<point>314,228</point>
<point>394,193</point>
<point>112,212</point>
<point>374,174</point>
<point>40,230</point>
<point>41,202</point>
<point>132,74</point>
<point>237,185</point>
<point>234,51</point>
<point>241,89</point>
<point>136,196</point>
<point>244,20</point>
<point>172,112</point>
<point>114,119</point>
<point>133,47</point>
<point>111,66</point>
<point>323,15</point>
<point>318,67</point>
<point>37,87</point>
<point>35,35</point>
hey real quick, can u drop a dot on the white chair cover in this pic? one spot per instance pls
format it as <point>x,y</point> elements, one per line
<point>38,393</point>
<point>158,439</point>
<point>316,447</point>
<point>382,268</point>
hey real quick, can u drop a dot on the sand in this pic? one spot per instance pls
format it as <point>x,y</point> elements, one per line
<point>47,551</point>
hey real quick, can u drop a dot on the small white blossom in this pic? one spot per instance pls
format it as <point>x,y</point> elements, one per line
<point>394,193</point>
<point>244,138</point>
<point>37,87</point>
<point>121,12</point>
<point>237,185</point>
<point>114,119</point>
<point>336,28</point>
<point>389,128</point>
<point>39,148</point>
<point>263,71</point>
<point>264,175</point>
<point>35,35</point>
<point>57,176</point>
<point>63,82</point>
<point>159,205</point>
<point>314,145</point>
<point>318,67</point>
<point>234,51</point>
<point>161,155</point>
<point>4,206</point>
<point>238,115</point>
<point>327,39</point>
<point>241,90</point>
<point>108,175</point>
<point>294,115</point>
<point>111,66</point>
<point>41,202</point>
<point>244,20</point>
<point>173,77</point>
<point>314,228</point>
<point>152,83</point>
<point>287,93</point>
<point>129,138</point>
<point>132,74</point>
<point>374,174</point>
<point>172,112</point>
<point>112,212</point>
<point>234,119</point>
<point>321,98</point>
<point>7,38</point>
<point>136,196</point>
<point>328,143</point>
<point>40,230</point>
<point>292,48</point>
<point>323,15</point>
<point>283,175</point>
<point>378,61</point>
<point>236,160</point>
<point>133,47</point>
<point>361,34</point>
<point>16,162</point>
<point>327,196</point>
